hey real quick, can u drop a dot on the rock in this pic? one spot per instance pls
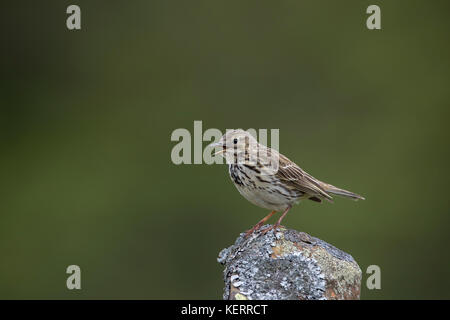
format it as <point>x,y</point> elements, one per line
<point>287,265</point>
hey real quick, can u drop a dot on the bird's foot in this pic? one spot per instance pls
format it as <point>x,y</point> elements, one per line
<point>252,230</point>
<point>259,224</point>
<point>273,227</point>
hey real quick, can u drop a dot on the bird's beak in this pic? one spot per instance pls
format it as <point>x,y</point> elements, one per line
<point>217,144</point>
<point>219,152</point>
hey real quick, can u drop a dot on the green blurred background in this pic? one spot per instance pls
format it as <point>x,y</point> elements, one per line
<point>86,118</point>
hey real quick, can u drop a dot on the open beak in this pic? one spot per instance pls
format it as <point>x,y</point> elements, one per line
<point>217,144</point>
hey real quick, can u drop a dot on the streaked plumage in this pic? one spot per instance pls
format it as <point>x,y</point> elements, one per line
<point>268,179</point>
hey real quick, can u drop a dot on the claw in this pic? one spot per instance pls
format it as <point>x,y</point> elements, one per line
<point>252,230</point>
<point>264,231</point>
<point>274,227</point>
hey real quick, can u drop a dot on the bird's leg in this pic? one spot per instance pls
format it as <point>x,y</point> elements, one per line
<point>277,224</point>
<point>259,224</point>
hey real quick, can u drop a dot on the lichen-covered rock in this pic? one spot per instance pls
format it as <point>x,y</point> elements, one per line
<point>286,265</point>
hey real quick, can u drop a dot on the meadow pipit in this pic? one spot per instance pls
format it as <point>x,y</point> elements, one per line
<point>268,179</point>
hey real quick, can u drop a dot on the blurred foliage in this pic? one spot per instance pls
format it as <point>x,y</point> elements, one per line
<point>86,118</point>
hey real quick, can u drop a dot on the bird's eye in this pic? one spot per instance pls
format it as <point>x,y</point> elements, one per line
<point>235,140</point>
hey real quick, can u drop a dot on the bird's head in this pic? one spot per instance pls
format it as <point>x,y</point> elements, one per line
<point>236,143</point>
<point>240,147</point>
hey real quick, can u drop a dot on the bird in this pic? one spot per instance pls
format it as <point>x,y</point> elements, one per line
<point>268,179</point>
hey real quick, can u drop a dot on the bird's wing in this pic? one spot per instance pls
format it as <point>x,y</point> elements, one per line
<point>292,174</point>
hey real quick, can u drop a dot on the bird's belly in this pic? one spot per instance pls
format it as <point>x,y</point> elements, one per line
<point>271,200</point>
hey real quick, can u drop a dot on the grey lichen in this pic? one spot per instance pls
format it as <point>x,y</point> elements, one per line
<point>286,265</point>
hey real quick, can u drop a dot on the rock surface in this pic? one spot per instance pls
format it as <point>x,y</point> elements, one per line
<point>286,265</point>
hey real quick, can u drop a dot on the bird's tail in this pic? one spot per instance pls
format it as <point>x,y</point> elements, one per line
<point>340,192</point>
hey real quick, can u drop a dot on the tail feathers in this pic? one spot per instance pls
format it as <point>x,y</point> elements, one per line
<point>341,192</point>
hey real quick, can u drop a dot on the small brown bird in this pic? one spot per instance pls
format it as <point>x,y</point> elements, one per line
<point>268,179</point>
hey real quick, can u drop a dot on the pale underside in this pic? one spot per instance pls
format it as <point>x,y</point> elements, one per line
<point>263,191</point>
